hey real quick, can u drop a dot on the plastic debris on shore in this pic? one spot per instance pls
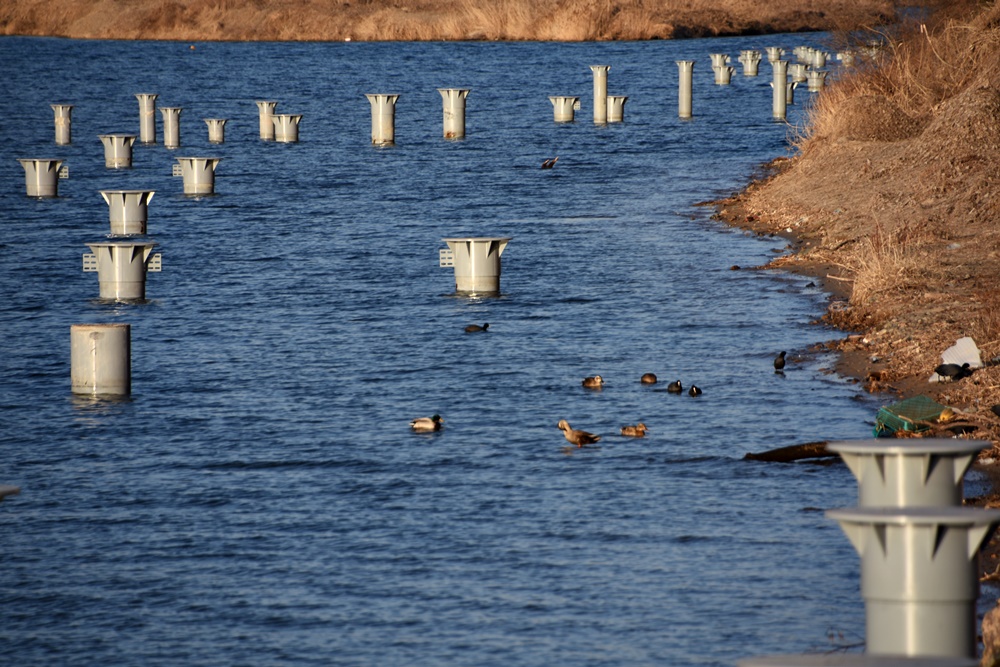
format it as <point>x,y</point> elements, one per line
<point>963,351</point>
<point>912,415</point>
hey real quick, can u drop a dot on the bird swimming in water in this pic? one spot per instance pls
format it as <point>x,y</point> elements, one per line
<point>648,378</point>
<point>473,328</point>
<point>637,431</point>
<point>424,424</point>
<point>675,387</point>
<point>551,162</point>
<point>779,361</point>
<point>954,371</point>
<point>694,391</point>
<point>576,436</point>
<point>593,382</point>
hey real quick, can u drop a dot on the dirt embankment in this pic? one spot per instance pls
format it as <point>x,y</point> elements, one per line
<point>337,20</point>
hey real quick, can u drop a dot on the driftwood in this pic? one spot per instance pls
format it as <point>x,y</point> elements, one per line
<point>809,450</point>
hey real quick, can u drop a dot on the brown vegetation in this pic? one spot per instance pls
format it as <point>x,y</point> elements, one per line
<point>894,192</point>
<point>367,20</point>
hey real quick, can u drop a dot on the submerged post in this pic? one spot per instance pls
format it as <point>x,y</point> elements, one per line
<point>286,127</point>
<point>64,123</point>
<point>216,130</point>
<point>616,108</point>
<point>100,359</point>
<point>774,54</point>
<point>117,150</point>
<point>685,67</point>
<point>779,91</point>
<point>798,72</point>
<point>147,117</point>
<point>719,59</point>
<point>383,118</point>
<point>750,58</point>
<point>563,108</point>
<point>171,126</point>
<point>600,92</point>
<point>476,261</point>
<point>723,74</point>
<point>453,101</point>
<point>265,109</point>
<point>816,80</point>
<point>121,268</point>
<point>41,176</point>
<point>199,174</point>
<point>128,210</point>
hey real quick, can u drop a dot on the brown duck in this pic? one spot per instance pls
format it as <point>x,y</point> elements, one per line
<point>576,436</point>
<point>593,382</point>
<point>637,431</point>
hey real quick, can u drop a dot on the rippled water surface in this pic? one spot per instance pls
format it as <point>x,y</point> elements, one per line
<point>261,500</point>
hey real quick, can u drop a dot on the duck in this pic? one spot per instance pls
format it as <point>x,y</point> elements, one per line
<point>694,391</point>
<point>648,378</point>
<point>675,387</point>
<point>576,436</point>
<point>779,361</point>
<point>425,424</point>
<point>473,328</point>
<point>637,431</point>
<point>954,371</point>
<point>593,382</point>
<point>551,162</point>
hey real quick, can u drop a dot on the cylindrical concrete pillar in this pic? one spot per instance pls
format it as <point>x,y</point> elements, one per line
<point>117,150</point>
<point>723,74</point>
<point>918,576</point>
<point>779,89</point>
<point>719,59</point>
<point>751,61</point>
<point>616,108</point>
<point>790,93</point>
<point>453,100</point>
<point>816,80</point>
<point>819,59</point>
<point>383,118</point>
<point>774,54</point>
<point>199,174</point>
<point>266,110</point>
<point>476,261</point>
<point>101,359</point>
<point>286,127</point>
<point>41,176</point>
<point>563,107</point>
<point>64,123</point>
<point>853,660</point>
<point>171,126</point>
<point>685,67</point>
<point>600,92</point>
<point>147,117</point>
<point>121,268</point>
<point>923,472</point>
<point>798,72</point>
<point>216,130</point>
<point>127,210</point>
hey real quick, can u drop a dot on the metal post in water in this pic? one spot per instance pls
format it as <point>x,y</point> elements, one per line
<point>751,61</point>
<point>121,268</point>
<point>147,117</point>
<point>779,90</point>
<point>286,127</point>
<point>64,123</point>
<point>117,150</point>
<point>171,126</point>
<point>476,261</point>
<point>101,359</point>
<point>383,118</point>
<point>563,108</point>
<point>453,101</point>
<point>600,92</point>
<point>199,174</point>
<point>616,108</point>
<point>41,176</point>
<point>265,110</point>
<point>128,210</point>
<point>685,67</point>
<point>216,130</point>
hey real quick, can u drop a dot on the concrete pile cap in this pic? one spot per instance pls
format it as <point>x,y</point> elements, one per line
<point>854,660</point>
<point>910,447</point>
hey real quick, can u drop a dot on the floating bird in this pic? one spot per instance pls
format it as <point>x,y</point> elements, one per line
<point>637,431</point>
<point>423,424</point>
<point>694,391</point>
<point>779,361</point>
<point>675,387</point>
<point>954,371</point>
<point>648,378</point>
<point>576,436</point>
<point>551,162</point>
<point>473,328</point>
<point>594,382</point>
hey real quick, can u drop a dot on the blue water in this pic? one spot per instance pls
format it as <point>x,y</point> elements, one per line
<point>260,499</point>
